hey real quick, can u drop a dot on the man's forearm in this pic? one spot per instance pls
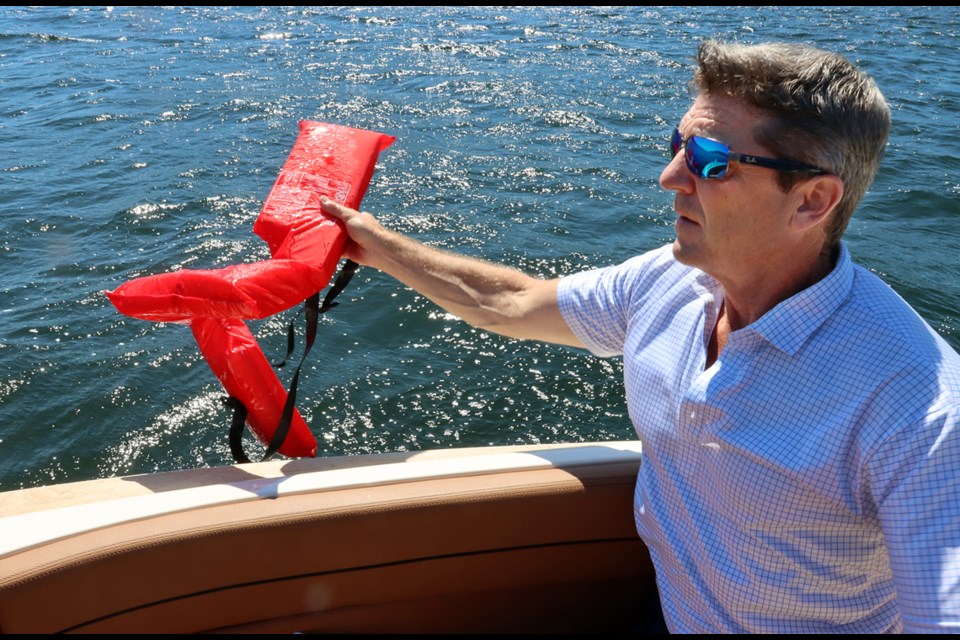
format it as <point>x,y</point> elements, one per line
<point>487,295</point>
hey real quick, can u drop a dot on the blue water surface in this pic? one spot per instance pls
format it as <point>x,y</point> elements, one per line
<point>139,140</point>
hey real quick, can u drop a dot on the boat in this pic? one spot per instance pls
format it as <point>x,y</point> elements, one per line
<point>498,539</point>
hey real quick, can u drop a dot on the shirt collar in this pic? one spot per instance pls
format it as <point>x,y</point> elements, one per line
<point>789,324</point>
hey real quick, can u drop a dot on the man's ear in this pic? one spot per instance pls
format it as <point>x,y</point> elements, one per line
<point>818,197</point>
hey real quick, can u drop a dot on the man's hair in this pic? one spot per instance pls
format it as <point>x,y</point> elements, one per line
<point>824,111</point>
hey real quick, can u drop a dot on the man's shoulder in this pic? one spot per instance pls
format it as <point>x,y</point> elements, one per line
<point>653,270</point>
<point>657,263</point>
<point>892,329</point>
<point>652,277</point>
<point>882,307</point>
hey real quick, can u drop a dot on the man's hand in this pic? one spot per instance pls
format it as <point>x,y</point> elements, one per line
<point>362,228</point>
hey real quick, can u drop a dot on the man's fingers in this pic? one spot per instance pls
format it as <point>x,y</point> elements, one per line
<point>334,208</point>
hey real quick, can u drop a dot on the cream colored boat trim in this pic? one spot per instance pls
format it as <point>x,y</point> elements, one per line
<point>27,530</point>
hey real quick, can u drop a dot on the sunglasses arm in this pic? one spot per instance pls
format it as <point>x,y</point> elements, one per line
<point>787,166</point>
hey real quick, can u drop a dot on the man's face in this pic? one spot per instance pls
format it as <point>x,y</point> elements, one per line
<point>735,226</point>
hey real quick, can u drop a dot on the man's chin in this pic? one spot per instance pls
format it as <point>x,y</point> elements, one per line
<point>684,253</point>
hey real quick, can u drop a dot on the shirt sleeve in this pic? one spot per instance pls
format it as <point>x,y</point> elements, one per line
<point>597,304</point>
<point>915,480</point>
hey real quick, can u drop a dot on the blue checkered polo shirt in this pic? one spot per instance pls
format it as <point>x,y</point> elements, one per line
<point>808,481</point>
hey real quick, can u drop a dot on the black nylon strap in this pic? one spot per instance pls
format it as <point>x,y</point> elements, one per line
<point>312,309</point>
<point>290,343</point>
<point>236,428</point>
<point>343,279</point>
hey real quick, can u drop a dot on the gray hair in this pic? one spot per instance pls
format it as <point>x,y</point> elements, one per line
<point>824,111</point>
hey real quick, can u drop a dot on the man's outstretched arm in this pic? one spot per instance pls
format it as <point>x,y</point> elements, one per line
<point>489,296</point>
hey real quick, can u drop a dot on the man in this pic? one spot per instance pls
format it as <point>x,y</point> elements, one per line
<point>801,460</point>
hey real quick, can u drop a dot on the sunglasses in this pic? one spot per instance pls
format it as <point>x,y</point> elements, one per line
<point>708,158</point>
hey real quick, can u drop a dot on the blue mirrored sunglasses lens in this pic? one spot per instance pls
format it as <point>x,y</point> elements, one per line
<point>675,141</point>
<point>707,158</point>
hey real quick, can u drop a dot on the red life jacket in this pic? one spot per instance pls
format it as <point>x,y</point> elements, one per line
<point>305,245</point>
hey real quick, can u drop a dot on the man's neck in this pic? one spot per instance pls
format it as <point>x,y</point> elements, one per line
<point>747,301</point>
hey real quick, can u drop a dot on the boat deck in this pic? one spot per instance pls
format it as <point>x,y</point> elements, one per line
<point>489,540</point>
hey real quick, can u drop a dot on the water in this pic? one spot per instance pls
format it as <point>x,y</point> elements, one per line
<point>138,140</point>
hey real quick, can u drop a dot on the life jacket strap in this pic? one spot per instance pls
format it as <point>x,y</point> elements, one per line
<point>312,309</point>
